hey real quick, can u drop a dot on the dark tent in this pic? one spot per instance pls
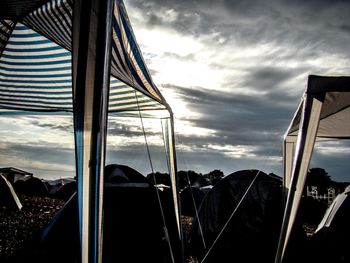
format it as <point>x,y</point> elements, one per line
<point>331,239</point>
<point>8,196</point>
<point>117,173</point>
<point>191,198</point>
<point>247,206</point>
<point>14,174</point>
<point>63,190</point>
<point>32,186</point>
<point>133,228</point>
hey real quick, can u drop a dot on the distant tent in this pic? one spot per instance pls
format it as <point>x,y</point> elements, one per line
<point>116,173</point>
<point>133,226</point>
<point>323,113</point>
<point>251,234</point>
<point>32,186</point>
<point>8,196</point>
<point>62,189</point>
<point>206,189</point>
<point>14,174</point>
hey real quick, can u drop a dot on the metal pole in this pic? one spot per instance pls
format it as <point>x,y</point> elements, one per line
<point>172,127</point>
<point>91,56</point>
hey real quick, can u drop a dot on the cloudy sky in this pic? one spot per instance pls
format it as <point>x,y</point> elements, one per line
<point>233,71</point>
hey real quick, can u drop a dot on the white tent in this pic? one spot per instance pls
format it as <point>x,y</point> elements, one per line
<point>323,113</point>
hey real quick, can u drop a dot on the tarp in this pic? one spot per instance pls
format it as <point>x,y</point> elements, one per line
<point>323,113</point>
<point>239,219</point>
<point>8,196</point>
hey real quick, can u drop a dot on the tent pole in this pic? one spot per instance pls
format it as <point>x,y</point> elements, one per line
<point>91,56</point>
<point>169,136</point>
<point>303,152</point>
<point>172,127</point>
<point>288,147</point>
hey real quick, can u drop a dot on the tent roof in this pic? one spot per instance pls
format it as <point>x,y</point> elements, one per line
<point>323,113</point>
<point>35,61</point>
<point>334,92</point>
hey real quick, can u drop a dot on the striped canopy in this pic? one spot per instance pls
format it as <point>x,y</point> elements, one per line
<point>35,63</point>
<point>37,70</point>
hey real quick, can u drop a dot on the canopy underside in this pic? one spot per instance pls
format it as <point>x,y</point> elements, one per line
<point>36,71</point>
<point>334,118</point>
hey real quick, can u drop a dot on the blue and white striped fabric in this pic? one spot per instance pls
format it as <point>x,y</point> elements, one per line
<point>35,73</point>
<point>35,63</point>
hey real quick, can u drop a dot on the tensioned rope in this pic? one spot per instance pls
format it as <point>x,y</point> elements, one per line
<point>149,154</point>
<point>155,182</point>
<point>229,219</point>
<point>196,211</point>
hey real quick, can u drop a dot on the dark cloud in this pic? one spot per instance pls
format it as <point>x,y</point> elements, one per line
<point>267,78</point>
<point>293,24</point>
<point>119,129</point>
<point>43,160</point>
<point>336,164</point>
<point>296,36</point>
<point>238,120</point>
<point>65,127</point>
<point>226,111</point>
<point>52,154</point>
<point>205,161</point>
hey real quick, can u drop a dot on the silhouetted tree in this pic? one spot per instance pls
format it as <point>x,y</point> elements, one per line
<point>191,177</point>
<point>320,178</point>
<point>214,176</point>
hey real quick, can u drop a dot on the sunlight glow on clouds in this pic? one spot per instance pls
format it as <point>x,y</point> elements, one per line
<point>337,148</point>
<point>233,73</point>
<point>168,42</point>
<point>234,151</point>
<point>40,130</point>
<point>186,128</point>
<point>123,141</point>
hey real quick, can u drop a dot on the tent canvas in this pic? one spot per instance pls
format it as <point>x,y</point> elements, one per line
<point>133,226</point>
<point>330,240</point>
<point>323,113</point>
<point>333,210</point>
<point>238,219</point>
<point>87,64</point>
<point>8,195</point>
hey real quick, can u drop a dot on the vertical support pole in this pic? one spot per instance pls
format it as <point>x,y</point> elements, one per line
<point>303,152</point>
<point>175,186</point>
<point>288,147</point>
<point>91,56</point>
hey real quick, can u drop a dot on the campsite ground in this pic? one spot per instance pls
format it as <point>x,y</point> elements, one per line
<point>17,228</point>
